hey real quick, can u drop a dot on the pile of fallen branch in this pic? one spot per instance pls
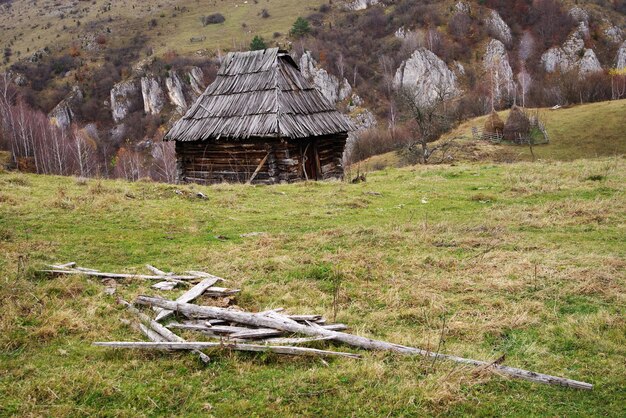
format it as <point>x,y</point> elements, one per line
<point>268,331</point>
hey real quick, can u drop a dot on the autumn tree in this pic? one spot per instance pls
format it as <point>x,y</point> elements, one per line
<point>428,119</point>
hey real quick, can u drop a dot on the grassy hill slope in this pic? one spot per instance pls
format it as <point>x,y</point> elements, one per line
<point>525,259</point>
<point>584,131</point>
<point>167,25</point>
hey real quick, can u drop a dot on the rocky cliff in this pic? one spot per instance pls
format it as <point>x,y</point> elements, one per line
<point>153,94</point>
<point>427,76</point>
<point>498,69</point>
<point>620,59</point>
<point>572,55</point>
<point>498,28</point>
<point>63,113</point>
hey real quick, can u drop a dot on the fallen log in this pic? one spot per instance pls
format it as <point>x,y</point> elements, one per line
<point>161,330</point>
<point>151,334</point>
<point>232,346</point>
<point>274,321</point>
<point>188,296</point>
<point>118,275</point>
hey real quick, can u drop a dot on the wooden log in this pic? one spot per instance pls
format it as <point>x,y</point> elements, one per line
<point>302,351</point>
<point>221,291</point>
<point>62,266</point>
<point>313,318</point>
<point>160,329</point>
<point>203,274</point>
<point>188,296</point>
<point>256,333</point>
<point>353,340</point>
<point>156,271</point>
<point>166,285</point>
<point>117,275</point>
<point>151,334</point>
<point>86,270</point>
<point>292,340</point>
<point>261,164</point>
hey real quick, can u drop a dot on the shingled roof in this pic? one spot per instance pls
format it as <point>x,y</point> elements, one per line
<point>259,94</point>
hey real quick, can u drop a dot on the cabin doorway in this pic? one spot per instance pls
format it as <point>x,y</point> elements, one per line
<point>310,161</point>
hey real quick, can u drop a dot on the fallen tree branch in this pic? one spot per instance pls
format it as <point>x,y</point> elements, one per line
<point>274,321</point>
<point>161,330</point>
<point>233,346</point>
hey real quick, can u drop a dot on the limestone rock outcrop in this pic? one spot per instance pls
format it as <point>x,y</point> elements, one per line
<point>175,91</point>
<point>331,87</point>
<point>360,4</point>
<point>572,55</point>
<point>620,59</point>
<point>498,28</point>
<point>63,113</point>
<point>497,66</point>
<point>152,93</point>
<point>196,79</point>
<point>125,98</point>
<point>427,76</point>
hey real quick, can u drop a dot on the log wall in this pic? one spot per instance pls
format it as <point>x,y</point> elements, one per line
<point>208,162</point>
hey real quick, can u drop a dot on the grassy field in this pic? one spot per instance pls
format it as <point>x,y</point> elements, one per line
<point>581,131</point>
<point>525,259</point>
<point>584,131</point>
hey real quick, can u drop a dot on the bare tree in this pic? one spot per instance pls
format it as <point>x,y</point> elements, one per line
<point>524,79</point>
<point>428,119</point>
<point>164,157</point>
<point>387,65</point>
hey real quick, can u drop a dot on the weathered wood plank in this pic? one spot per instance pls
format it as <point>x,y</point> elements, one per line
<point>229,346</point>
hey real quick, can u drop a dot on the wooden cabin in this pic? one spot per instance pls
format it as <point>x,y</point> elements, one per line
<point>260,121</point>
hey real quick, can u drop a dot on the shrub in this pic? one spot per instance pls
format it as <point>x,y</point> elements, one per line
<point>300,28</point>
<point>257,43</point>
<point>265,14</point>
<point>213,19</point>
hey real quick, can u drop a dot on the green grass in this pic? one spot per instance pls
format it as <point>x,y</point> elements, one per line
<point>467,255</point>
<point>581,131</point>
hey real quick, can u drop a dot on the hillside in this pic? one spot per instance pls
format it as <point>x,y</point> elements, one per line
<point>525,259</point>
<point>580,131</point>
<point>165,25</point>
<point>125,71</point>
